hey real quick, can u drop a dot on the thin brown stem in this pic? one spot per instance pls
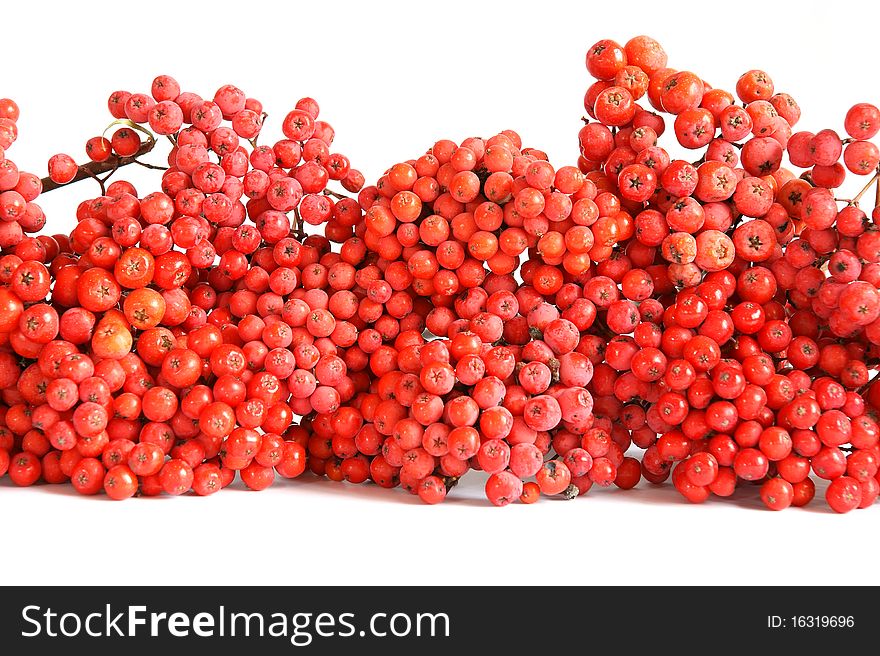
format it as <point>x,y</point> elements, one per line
<point>877,195</point>
<point>337,195</point>
<point>100,181</point>
<point>109,174</point>
<point>858,196</point>
<point>146,165</point>
<point>94,169</point>
<point>298,225</point>
<point>253,142</point>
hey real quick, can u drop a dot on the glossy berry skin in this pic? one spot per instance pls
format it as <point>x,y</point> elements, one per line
<point>702,469</point>
<point>843,494</point>
<point>751,465</point>
<point>777,494</point>
<point>531,493</point>
<point>120,483</point>
<point>24,469</point>
<point>176,477</point>
<point>432,490</point>
<point>87,477</point>
<point>605,59</point>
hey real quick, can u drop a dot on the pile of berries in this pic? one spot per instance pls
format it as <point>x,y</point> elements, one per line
<point>714,318</point>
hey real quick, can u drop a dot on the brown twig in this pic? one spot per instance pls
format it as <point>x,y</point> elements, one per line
<point>877,195</point>
<point>99,180</point>
<point>153,167</point>
<point>858,196</point>
<point>94,169</point>
<point>253,142</point>
<point>298,225</point>
<point>337,195</point>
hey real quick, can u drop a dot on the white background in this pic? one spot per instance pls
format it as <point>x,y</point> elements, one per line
<point>393,77</point>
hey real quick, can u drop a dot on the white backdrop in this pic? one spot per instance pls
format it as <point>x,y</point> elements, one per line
<point>392,78</point>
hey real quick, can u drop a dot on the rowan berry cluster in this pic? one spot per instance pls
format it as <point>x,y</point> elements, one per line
<point>714,318</point>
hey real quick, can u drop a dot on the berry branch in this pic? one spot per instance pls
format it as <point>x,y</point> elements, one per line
<point>110,165</point>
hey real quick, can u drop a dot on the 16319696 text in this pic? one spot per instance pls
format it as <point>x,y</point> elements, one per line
<point>811,622</point>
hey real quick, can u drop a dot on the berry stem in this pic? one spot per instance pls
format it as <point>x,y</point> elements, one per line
<point>328,192</point>
<point>858,196</point>
<point>153,167</point>
<point>253,142</point>
<point>451,482</point>
<point>298,225</point>
<point>94,169</point>
<point>877,193</point>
